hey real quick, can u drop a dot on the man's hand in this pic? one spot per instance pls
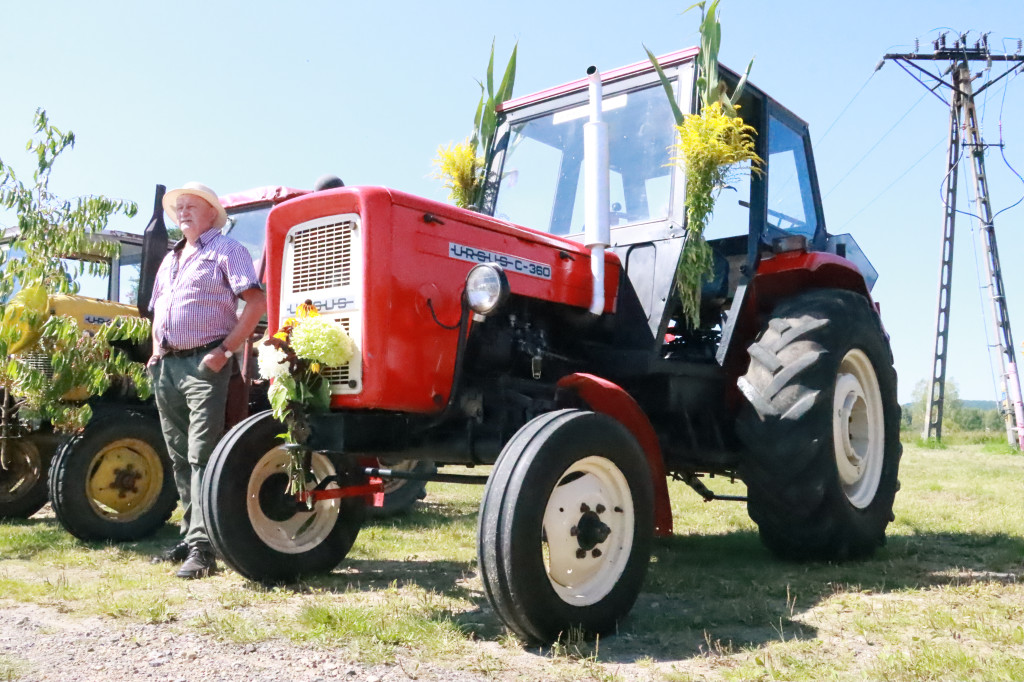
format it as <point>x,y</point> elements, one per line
<point>215,360</point>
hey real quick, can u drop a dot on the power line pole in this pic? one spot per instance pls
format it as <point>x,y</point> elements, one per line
<point>963,116</point>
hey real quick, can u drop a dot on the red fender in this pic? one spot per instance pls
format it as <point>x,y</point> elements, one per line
<point>608,398</point>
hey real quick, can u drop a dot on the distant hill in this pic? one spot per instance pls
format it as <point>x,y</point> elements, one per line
<point>978,404</point>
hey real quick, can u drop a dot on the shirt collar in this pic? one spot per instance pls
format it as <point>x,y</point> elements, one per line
<point>204,239</point>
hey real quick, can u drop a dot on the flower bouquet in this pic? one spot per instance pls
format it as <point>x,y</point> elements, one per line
<point>294,358</point>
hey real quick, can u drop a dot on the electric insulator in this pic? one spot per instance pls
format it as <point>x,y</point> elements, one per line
<point>917,45</point>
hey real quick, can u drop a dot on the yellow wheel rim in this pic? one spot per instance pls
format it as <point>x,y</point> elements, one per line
<point>125,479</point>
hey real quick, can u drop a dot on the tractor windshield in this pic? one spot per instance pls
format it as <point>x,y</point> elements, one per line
<point>249,228</point>
<point>542,177</point>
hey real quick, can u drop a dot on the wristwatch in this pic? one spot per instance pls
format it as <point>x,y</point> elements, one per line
<point>227,352</point>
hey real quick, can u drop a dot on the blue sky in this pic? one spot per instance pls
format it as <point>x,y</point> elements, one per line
<point>239,95</point>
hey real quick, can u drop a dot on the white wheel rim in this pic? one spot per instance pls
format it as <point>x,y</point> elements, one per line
<point>305,530</point>
<point>588,531</point>
<point>858,428</point>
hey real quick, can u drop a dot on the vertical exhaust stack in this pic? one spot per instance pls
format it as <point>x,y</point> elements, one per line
<point>596,193</point>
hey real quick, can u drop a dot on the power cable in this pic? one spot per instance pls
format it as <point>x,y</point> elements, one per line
<point>1002,146</point>
<point>892,184</point>
<point>875,146</point>
<point>981,297</point>
<point>832,125</point>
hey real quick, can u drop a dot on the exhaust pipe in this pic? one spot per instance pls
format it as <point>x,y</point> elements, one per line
<point>596,192</point>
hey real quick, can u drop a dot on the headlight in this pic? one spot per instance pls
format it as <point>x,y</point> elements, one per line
<point>486,288</point>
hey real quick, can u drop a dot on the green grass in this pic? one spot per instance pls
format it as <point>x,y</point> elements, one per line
<point>944,599</point>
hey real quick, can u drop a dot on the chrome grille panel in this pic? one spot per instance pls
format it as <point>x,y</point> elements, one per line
<point>322,257</point>
<point>323,263</point>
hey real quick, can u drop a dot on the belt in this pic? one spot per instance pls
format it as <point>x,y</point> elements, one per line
<point>187,352</point>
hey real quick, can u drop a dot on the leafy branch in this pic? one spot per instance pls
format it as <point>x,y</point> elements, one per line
<point>50,365</point>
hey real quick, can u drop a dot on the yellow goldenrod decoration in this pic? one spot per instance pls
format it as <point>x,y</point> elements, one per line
<point>461,171</point>
<point>710,145</point>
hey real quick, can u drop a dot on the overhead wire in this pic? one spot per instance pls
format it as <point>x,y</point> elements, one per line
<point>874,146</point>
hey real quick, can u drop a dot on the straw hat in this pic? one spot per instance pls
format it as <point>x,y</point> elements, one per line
<point>203,192</point>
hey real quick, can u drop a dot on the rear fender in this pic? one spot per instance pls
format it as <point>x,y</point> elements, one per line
<point>608,398</point>
<point>777,278</point>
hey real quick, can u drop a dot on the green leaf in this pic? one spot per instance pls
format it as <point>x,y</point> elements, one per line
<point>667,85</point>
<point>508,80</point>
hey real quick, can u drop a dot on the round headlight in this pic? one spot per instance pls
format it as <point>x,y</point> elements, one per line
<point>486,288</point>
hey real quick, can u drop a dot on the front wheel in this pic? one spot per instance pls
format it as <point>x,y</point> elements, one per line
<point>113,481</point>
<point>23,481</point>
<point>259,529</point>
<point>821,428</point>
<point>565,526</point>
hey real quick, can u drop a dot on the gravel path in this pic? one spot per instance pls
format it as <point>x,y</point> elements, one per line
<point>43,644</point>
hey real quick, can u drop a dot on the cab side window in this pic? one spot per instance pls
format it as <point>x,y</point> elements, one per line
<point>790,198</point>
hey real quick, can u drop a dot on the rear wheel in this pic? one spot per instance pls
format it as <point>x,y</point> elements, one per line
<point>114,481</point>
<point>23,483</point>
<point>400,494</point>
<point>821,428</point>
<point>257,527</point>
<point>565,526</point>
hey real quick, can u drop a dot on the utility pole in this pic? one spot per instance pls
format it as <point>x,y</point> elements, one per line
<point>963,116</point>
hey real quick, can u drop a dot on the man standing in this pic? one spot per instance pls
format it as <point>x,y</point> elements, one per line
<point>196,329</point>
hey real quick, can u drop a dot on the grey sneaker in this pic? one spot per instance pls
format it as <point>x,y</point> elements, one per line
<point>174,555</point>
<point>200,563</point>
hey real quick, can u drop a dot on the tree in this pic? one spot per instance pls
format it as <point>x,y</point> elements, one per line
<point>951,405</point>
<point>36,265</point>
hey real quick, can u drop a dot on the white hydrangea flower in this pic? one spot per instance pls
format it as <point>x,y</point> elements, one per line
<point>321,340</point>
<point>273,361</point>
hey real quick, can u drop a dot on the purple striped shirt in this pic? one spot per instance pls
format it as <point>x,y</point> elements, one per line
<point>196,302</point>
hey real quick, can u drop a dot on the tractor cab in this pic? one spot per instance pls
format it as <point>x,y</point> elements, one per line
<point>537,177</point>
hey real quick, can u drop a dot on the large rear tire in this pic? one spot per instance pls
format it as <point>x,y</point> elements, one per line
<point>114,480</point>
<point>821,428</point>
<point>23,488</point>
<point>255,525</point>
<point>565,526</point>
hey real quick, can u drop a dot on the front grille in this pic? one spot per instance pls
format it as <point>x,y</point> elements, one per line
<point>323,257</point>
<point>339,376</point>
<point>323,263</point>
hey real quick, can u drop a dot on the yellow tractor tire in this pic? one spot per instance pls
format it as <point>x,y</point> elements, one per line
<point>23,475</point>
<point>114,481</point>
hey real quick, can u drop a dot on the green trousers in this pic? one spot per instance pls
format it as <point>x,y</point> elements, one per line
<point>191,399</point>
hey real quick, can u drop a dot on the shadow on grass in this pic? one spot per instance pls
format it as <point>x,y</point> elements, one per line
<point>704,594</point>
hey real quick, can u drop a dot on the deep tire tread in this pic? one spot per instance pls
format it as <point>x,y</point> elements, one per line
<point>794,494</point>
<point>69,472</point>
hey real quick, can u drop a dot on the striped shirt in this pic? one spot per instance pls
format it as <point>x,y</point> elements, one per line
<point>196,302</point>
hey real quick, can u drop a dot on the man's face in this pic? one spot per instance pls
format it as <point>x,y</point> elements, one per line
<point>194,212</point>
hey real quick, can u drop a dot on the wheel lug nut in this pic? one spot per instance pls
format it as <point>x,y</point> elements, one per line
<point>574,531</point>
<point>596,553</point>
<point>600,509</point>
<point>584,508</point>
<point>581,553</point>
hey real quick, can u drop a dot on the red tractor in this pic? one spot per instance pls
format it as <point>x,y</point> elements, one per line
<point>514,336</point>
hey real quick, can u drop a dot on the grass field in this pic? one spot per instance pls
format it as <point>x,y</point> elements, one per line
<point>943,600</point>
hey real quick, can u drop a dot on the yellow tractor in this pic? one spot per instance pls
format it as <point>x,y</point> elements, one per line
<point>113,479</point>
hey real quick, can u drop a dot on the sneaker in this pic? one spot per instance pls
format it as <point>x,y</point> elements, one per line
<point>174,555</point>
<point>201,562</point>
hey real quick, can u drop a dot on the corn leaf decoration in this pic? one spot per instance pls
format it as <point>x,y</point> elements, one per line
<point>462,167</point>
<point>709,147</point>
